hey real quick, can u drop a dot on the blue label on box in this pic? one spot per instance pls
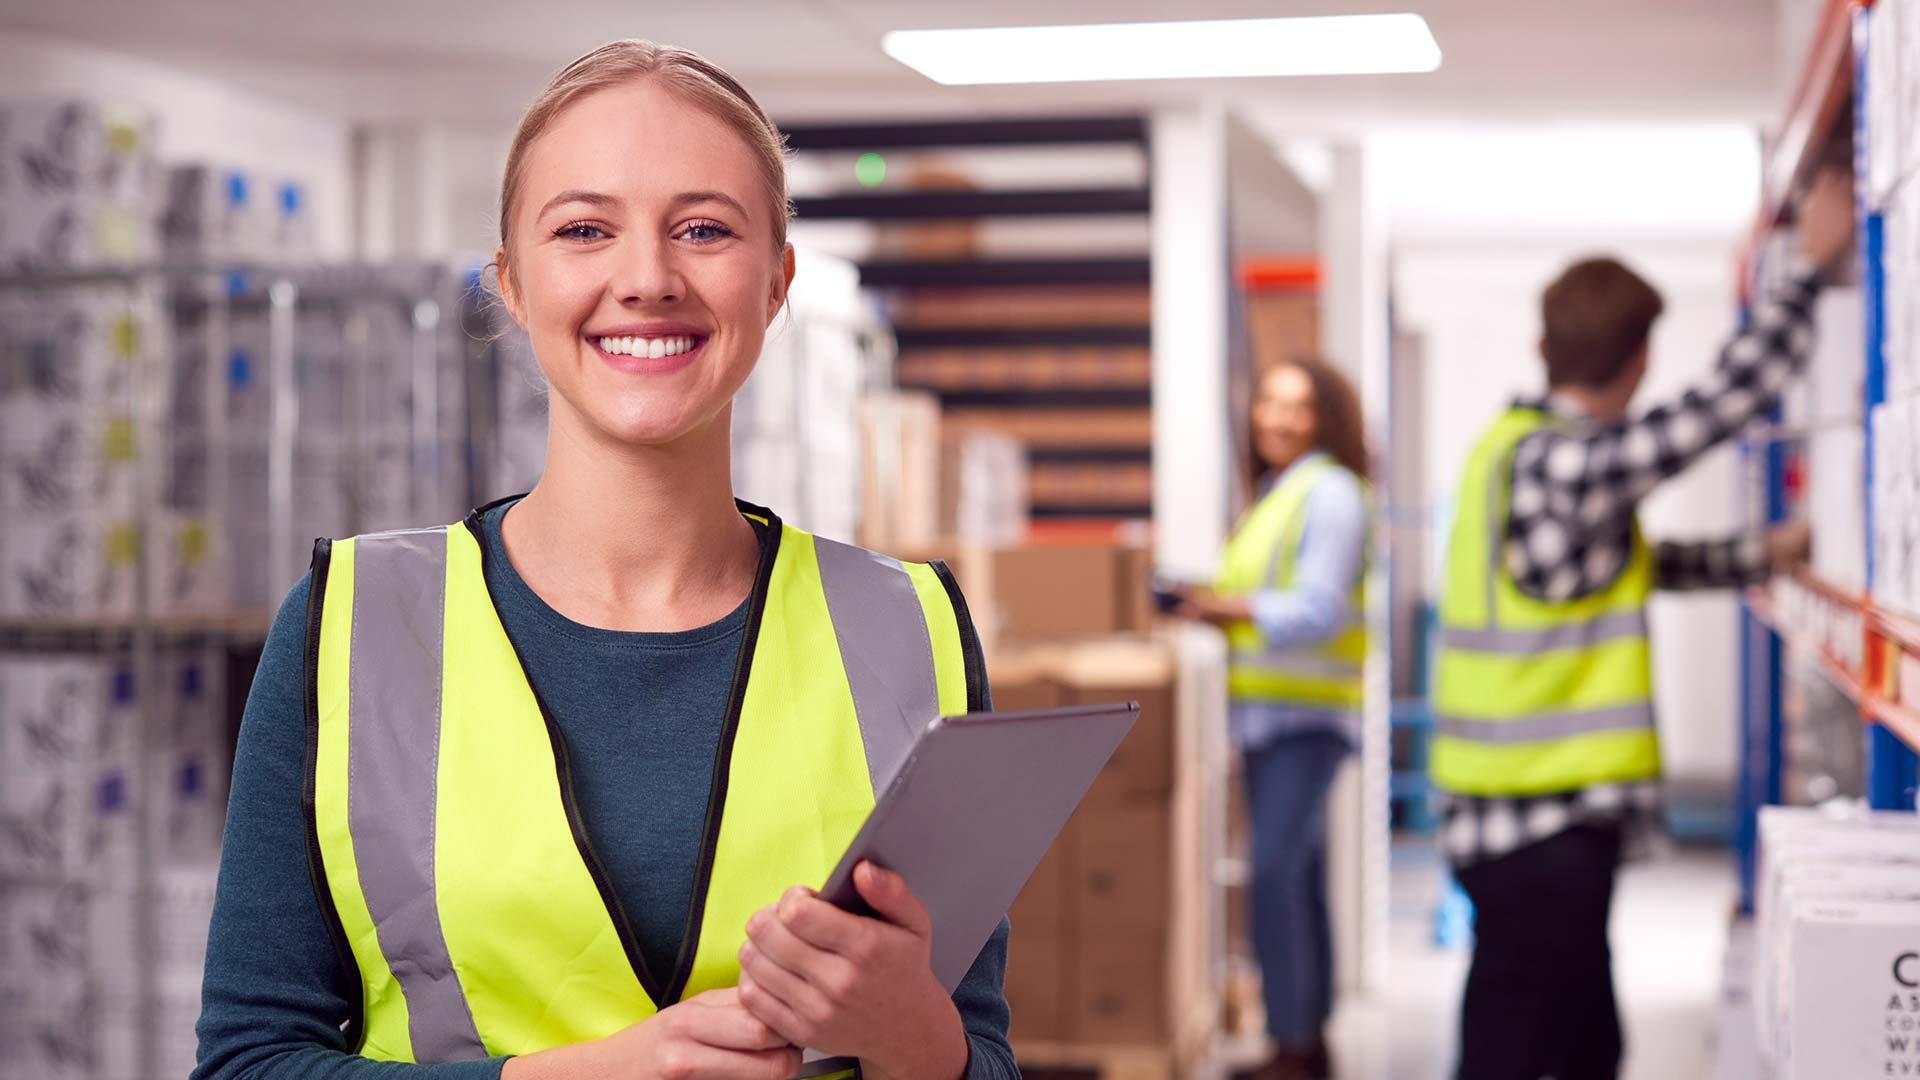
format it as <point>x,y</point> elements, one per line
<point>236,189</point>
<point>239,368</point>
<point>122,689</point>
<point>190,681</point>
<point>110,796</point>
<point>190,776</point>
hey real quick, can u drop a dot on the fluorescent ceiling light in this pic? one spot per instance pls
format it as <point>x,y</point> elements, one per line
<point>1209,49</point>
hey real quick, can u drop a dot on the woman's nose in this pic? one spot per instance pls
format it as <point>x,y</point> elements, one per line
<point>648,273</point>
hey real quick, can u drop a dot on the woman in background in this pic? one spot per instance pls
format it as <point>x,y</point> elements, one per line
<point>1288,596</point>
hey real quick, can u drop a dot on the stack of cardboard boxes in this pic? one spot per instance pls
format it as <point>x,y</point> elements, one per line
<point>1093,949</point>
<point>1090,953</point>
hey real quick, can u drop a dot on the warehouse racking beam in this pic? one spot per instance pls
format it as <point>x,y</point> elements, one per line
<point>1035,131</point>
<point>1005,202</point>
<point>994,273</point>
<point>910,336</point>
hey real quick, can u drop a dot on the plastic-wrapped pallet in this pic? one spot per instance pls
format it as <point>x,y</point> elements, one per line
<point>796,436</point>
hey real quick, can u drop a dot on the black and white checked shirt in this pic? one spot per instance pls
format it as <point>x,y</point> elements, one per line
<point>1576,487</point>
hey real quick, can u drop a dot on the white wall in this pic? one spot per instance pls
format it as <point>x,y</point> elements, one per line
<point>201,119</point>
<point>1475,299</point>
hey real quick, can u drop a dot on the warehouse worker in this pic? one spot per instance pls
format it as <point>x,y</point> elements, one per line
<point>1544,740</point>
<point>1288,596</point>
<point>538,794</point>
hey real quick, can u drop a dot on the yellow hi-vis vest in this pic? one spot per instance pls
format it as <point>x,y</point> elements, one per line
<point>1260,555</point>
<point>1532,697</point>
<point>445,841</point>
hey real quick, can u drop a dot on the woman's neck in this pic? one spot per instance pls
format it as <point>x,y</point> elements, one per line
<point>633,538</point>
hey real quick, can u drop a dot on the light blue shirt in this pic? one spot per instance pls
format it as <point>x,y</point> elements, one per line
<point>1327,566</point>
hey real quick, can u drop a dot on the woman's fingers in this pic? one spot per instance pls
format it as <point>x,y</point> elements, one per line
<point>720,1020</point>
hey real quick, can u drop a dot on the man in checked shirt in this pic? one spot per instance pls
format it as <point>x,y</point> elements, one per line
<point>1544,745</point>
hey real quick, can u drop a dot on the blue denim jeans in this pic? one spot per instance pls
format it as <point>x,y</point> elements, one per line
<point>1287,782</point>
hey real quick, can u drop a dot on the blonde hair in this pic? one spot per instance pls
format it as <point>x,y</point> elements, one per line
<point>701,81</point>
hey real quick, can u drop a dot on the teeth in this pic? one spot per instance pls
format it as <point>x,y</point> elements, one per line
<point>650,348</point>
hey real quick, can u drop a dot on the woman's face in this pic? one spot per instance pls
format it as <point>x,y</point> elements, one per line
<point>641,262</point>
<point>1284,426</point>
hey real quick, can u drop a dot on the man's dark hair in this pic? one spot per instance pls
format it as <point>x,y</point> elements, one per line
<point>1596,315</point>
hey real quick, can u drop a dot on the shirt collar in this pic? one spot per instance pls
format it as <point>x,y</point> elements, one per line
<point>1273,479</point>
<point>1553,405</point>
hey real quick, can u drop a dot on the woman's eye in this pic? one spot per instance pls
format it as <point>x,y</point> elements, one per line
<point>705,232</point>
<point>579,230</point>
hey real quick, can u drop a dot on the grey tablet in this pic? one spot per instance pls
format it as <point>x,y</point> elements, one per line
<point>972,811</point>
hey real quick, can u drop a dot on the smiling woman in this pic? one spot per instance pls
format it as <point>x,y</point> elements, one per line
<point>571,767</point>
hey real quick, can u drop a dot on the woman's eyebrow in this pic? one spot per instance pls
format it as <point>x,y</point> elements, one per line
<point>591,198</point>
<point>689,198</point>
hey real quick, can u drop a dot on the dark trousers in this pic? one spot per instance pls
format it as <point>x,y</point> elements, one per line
<point>1539,1000</point>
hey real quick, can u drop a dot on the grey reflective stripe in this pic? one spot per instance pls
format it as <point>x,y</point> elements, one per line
<point>1308,467</point>
<point>1543,726</point>
<point>393,753</point>
<point>1299,664</point>
<point>1612,626</point>
<point>1496,540</point>
<point>885,648</point>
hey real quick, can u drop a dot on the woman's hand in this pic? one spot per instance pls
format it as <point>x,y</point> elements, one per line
<point>849,986</point>
<point>708,1037</point>
<point>1198,604</point>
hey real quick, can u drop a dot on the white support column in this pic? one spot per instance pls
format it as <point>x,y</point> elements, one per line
<point>1355,336</point>
<point>1191,278</point>
<point>401,183</point>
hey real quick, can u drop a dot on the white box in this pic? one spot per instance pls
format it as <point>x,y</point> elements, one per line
<point>1851,1011</point>
<point>1885,149</point>
<point>73,565</point>
<point>79,185</point>
<point>215,213</point>
<point>186,571</point>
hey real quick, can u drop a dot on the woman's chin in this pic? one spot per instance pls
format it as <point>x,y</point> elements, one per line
<point>650,427</point>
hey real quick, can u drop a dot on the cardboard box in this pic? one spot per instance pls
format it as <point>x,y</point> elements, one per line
<point>1121,863</point>
<point>899,470</point>
<point>1121,983</point>
<point>1040,982</point>
<point>1281,326</point>
<point>1128,670</point>
<point>983,488</point>
<point>1016,688</point>
<point>1047,592</point>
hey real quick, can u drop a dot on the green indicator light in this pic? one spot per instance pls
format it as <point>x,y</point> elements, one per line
<point>870,169</point>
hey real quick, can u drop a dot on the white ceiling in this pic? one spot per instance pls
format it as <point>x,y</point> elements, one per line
<point>481,60</point>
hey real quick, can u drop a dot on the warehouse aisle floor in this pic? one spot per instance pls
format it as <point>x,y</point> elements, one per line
<point>1669,930</point>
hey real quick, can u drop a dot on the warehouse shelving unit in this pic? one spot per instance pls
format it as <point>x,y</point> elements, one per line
<point>1870,653</point>
<point>1075,387</point>
<point>185,357</point>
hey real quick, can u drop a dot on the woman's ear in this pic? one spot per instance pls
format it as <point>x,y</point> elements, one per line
<point>782,283</point>
<point>503,280</point>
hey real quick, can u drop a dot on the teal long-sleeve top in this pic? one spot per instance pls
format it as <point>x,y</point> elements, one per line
<point>276,993</point>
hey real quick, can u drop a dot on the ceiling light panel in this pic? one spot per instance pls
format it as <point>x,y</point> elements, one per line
<point>1207,49</point>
